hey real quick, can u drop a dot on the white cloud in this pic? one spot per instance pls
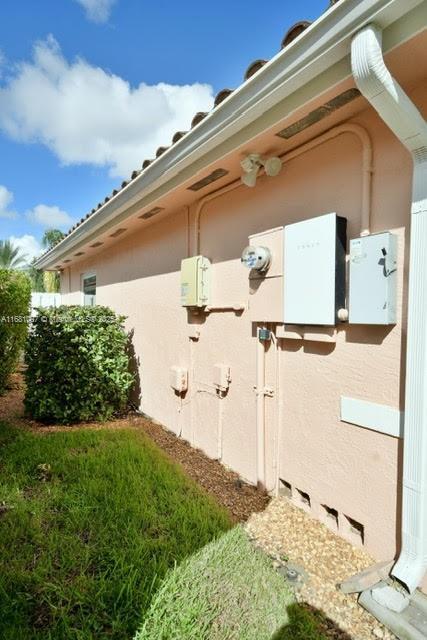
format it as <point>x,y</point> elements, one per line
<point>86,115</point>
<point>47,216</point>
<point>97,10</point>
<point>28,245</point>
<point>6,198</point>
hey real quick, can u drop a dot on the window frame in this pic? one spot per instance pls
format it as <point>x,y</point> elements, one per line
<point>85,276</point>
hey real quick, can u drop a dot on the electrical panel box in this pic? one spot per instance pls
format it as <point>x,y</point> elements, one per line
<point>221,377</point>
<point>314,270</point>
<point>373,279</point>
<point>195,281</point>
<point>178,378</point>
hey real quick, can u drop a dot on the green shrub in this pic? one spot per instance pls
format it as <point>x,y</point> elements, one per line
<point>15,293</point>
<point>78,367</point>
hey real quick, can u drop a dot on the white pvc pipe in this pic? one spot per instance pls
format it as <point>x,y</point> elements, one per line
<point>401,115</point>
<point>367,170</point>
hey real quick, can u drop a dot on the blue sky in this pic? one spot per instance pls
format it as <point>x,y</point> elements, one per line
<point>89,88</point>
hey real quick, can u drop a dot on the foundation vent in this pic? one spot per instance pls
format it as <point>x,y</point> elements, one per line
<point>303,499</point>
<point>285,489</point>
<point>330,517</point>
<point>355,531</point>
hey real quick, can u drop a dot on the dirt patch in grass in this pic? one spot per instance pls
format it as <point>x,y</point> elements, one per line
<point>238,497</point>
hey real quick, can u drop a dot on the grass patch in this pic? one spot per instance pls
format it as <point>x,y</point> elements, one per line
<point>90,523</point>
<point>227,591</point>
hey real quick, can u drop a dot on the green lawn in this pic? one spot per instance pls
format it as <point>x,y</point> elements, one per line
<point>227,591</point>
<point>90,522</point>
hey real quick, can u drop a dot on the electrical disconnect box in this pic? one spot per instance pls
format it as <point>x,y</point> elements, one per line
<point>195,281</point>
<point>178,378</point>
<point>373,279</point>
<point>314,270</point>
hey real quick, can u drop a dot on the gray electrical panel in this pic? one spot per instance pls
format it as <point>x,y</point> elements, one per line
<point>373,279</point>
<point>314,270</point>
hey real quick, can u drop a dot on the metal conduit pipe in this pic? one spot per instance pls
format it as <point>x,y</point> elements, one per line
<point>260,410</point>
<point>342,129</point>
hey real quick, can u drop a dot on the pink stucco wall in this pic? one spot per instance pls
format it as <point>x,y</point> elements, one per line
<point>353,470</point>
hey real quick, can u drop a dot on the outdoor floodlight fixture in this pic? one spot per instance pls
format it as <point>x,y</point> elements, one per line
<point>253,163</point>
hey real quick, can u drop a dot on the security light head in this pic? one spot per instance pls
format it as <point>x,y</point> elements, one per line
<point>252,162</point>
<point>249,179</point>
<point>272,166</point>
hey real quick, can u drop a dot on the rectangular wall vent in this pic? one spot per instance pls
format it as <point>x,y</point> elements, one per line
<point>118,232</point>
<point>318,114</point>
<point>80,253</point>
<point>215,175</point>
<point>96,244</point>
<point>151,213</point>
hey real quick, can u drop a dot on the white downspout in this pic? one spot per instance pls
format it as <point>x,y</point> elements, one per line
<point>400,114</point>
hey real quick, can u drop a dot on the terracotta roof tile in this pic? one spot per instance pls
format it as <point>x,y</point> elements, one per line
<point>200,115</point>
<point>294,32</point>
<point>160,151</point>
<point>177,136</point>
<point>255,66</point>
<point>222,95</point>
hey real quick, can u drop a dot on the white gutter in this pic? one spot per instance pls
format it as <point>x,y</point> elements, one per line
<point>315,51</point>
<point>401,115</point>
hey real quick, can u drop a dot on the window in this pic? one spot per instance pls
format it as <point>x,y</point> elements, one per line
<point>89,289</point>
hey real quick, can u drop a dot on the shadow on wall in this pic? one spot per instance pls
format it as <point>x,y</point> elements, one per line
<point>308,623</point>
<point>134,362</point>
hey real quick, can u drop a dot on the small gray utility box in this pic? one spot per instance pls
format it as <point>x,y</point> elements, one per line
<point>373,279</point>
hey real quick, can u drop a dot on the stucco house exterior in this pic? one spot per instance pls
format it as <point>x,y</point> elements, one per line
<point>307,375</point>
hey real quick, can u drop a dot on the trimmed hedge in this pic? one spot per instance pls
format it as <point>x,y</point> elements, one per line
<point>15,294</point>
<point>78,367</point>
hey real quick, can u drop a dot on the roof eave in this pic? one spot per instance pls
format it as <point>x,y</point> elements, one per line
<point>321,46</point>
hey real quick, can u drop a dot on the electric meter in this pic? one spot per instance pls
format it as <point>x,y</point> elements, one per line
<point>258,258</point>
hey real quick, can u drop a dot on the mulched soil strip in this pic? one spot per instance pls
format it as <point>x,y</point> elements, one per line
<point>238,497</point>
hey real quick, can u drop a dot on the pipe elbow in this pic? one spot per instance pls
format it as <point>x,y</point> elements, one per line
<point>410,570</point>
<point>378,86</point>
<point>369,71</point>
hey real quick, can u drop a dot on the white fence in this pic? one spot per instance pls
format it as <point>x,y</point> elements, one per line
<point>44,300</point>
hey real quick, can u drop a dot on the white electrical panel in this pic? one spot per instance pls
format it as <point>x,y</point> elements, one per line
<point>178,378</point>
<point>195,281</point>
<point>373,279</point>
<point>314,270</point>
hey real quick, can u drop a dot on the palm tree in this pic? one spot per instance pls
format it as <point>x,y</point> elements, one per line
<point>51,280</point>
<point>10,256</point>
<point>52,237</point>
